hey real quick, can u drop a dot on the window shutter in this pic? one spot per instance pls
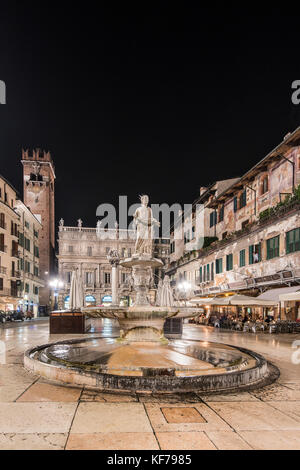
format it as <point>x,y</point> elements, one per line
<point>259,252</point>
<point>235,204</point>
<point>251,254</point>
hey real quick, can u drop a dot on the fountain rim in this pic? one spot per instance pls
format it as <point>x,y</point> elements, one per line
<point>261,374</point>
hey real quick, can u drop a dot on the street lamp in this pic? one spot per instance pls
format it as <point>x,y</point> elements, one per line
<point>185,287</point>
<point>56,284</point>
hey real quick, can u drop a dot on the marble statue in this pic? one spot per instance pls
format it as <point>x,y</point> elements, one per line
<point>144,222</point>
<point>61,222</point>
<point>79,221</point>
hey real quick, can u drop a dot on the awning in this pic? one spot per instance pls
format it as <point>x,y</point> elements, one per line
<point>292,296</point>
<point>243,301</point>
<point>202,301</point>
<point>273,294</point>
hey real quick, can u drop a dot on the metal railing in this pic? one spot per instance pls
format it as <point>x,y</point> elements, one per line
<point>15,273</point>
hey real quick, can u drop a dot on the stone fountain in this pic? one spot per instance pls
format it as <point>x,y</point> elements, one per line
<point>142,321</point>
<point>141,358</point>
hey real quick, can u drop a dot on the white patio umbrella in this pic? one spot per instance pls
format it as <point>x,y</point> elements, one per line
<point>243,300</point>
<point>166,294</point>
<point>76,291</point>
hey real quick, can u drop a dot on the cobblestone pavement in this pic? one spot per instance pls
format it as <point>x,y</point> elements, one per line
<point>38,414</point>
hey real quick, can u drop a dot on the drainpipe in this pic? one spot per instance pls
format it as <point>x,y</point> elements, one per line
<point>292,163</point>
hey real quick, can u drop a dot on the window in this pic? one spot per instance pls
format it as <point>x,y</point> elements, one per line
<point>235,204</point>
<point>265,185</point>
<point>254,254</point>
<point>293,241</point>
<point>243,199</point>
<point>124,278</point>
<point>213,219</point>
<point>207,273</point>
<point>21,239</point>
<point>36,271</point>
<point>273,247</point>
<point>89,251</point>
<point>2,220</point>
<point>172,247</point>
<point>70,248</point>
<point>107,278</point>
<point>88,277</point>
<point>36,251</point>
<point>200,274</point>
<point>212,271</point>
<point>221,214</point>
<point>68,276</point>
<point>1,283</point>
<point>229,262</point>
<point>2,247</point>
<point>27,288</point>
<point>187,238</point>
<point>27,267</point>
<point>27,244</point>
<point>219,266</point>
<point>242,258</point>
<point>36,290</point>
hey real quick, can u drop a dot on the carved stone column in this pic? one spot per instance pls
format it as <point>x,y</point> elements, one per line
<point>114,260</point>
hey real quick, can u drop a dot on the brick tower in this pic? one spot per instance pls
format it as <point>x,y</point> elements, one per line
<point>39,179</point>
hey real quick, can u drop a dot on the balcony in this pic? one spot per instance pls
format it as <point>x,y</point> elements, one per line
<point>15,254</point>
<point>15,273</point>
<point>286,277</point>
<point>8,292</point>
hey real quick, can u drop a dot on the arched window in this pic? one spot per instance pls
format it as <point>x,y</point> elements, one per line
<point>265,185</point>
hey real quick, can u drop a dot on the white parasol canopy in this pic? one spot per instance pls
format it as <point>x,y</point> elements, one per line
<point>243,301</point>
<point>76,291</point>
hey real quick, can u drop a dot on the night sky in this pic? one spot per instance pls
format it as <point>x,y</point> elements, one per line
<point>161,101</point>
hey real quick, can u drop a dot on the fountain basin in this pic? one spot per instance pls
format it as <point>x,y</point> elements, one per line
<point>178,366</point>
<point>140,323</point>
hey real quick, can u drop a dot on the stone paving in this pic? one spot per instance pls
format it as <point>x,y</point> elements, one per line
<point>38,414</point>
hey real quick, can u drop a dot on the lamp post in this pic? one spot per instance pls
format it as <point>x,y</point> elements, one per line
<point>56,284</point>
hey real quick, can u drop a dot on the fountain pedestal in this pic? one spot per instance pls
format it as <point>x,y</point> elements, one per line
<point>142,321</point>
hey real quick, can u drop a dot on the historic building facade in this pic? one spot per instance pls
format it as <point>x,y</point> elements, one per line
<point>30,284</point>
<point>9,226</point>
<point>39,187</point>
<point>87,250</point>
<point>251,230</point>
